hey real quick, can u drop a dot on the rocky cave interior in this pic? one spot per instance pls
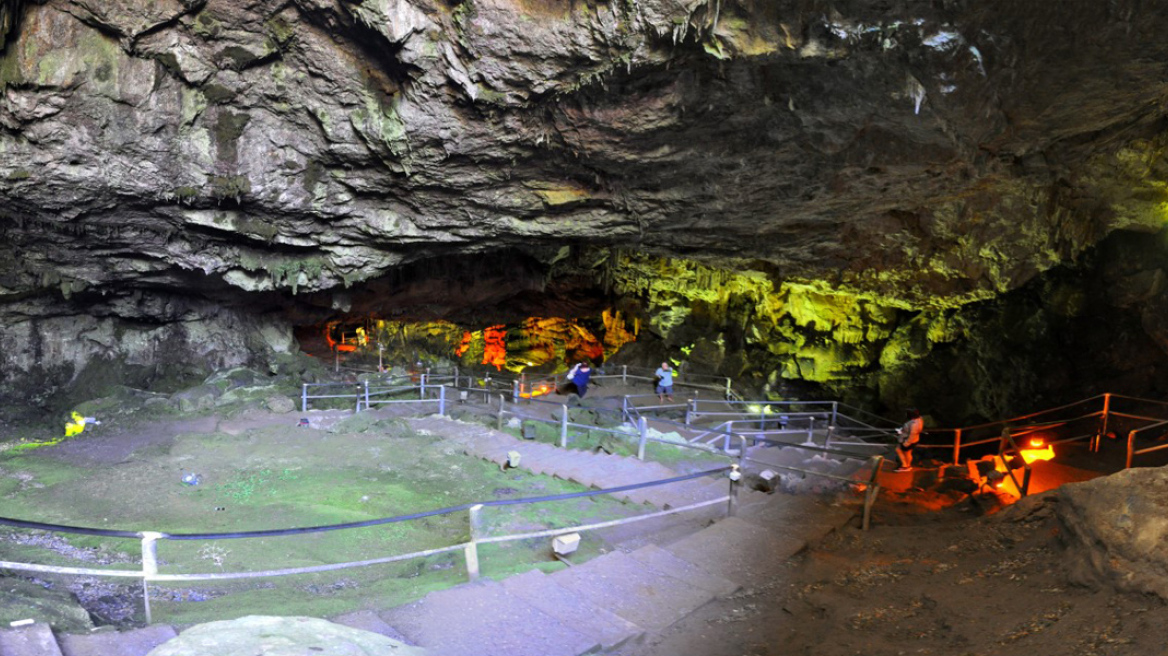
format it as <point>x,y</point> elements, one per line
<point>956,205</point>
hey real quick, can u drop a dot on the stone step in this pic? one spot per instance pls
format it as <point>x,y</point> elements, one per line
<point>483,619</point>
<point>667,562</point>
<point>367,620</point>
<point>33,640</point>
<point>542,592</point>
<point>640,594</point>
<point>738,550</point>
<point>812,518</point>
<point>137,642</point>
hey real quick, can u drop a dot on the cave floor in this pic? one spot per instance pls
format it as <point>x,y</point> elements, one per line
<point>925,582</point>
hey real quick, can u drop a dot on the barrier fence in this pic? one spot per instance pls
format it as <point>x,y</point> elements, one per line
<point>150,563</point>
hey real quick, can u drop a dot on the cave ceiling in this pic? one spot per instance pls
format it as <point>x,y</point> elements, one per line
<point>420,157</point>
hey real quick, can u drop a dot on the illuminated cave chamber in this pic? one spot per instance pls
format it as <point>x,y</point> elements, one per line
<point>533,344</point>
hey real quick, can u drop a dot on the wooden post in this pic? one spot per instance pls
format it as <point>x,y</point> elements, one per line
<point>564,426</point>
<point>957,447</point>
<point>422,392</point>
<point>643,428</point>
<point>732,506</point>
<point>499,425</point>
<point>624,374</point>
<point>149,568</point>
<point>472,549</point>
<point>1103,424</point>
<point>366,394</point>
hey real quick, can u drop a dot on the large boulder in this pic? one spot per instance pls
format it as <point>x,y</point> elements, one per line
<point>1117,530</point>
<point>281,636</point>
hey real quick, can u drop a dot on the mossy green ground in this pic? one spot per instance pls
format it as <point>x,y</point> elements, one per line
<point>280,477</point>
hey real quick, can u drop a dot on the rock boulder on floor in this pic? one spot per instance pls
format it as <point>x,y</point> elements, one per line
<point>1117,530</point>
<point>281,636</point>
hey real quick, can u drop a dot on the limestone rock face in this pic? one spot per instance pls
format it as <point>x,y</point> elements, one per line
<point>1117,529</point>
<point>287,161</point>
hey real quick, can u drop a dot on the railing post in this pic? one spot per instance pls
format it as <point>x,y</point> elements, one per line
<point>872,492</point>
<point>502,400</point>
<point>1131,442</point>
<point>304,398</point>
<point>1103,424</point>
<point>456,376</point>
<point>729,394</point>
<point>523,385</point>
<point>564,426</point>
<point>515,391</point>
<point>336,360</point>
<point>625,407</point>
<point>624,374</point>
<point>957,447</point>
<point>735,476</point>
<point>366,394</point>
<point>149,568</point>
<point>811,429</point>
<point>691,411</point>
<point>835,413</point>
<point>643,429</point>
<point>442,399</point>
<point>472,549</point>
<point>422,388</point>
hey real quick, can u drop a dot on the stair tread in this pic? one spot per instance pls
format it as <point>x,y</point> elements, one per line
<point>34,640</point>
<point>669,563</point>
<point>622,585</point>
<point>137,642</point>
<point>745,552</point>
<point>482,618</point>
<point>542,592</point>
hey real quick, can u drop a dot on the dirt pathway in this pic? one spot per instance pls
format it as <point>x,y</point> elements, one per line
<point>925,583</point>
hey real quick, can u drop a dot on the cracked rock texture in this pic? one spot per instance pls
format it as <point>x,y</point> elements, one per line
<point>176,172</point>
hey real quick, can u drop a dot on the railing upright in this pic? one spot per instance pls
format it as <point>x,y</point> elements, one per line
<point>1103,423</point>
<point>643,429</point>
<point>366,394</point>
<point>442,399</point>
<point>149,568</point>
<point>872,491</point>
<point>624,374</point>
<point>957,447</point>
<point>304,397</point>
<point>564,426</point>
<point>472,550</point>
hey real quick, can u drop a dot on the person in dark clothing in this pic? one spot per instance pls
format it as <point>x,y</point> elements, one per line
<point>908,435</point>
<point>577,380</point>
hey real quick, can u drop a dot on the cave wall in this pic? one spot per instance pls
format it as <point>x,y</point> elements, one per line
<point>823,186</point>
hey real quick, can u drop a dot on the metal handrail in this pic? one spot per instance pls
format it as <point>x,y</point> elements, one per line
<point>149,539</point>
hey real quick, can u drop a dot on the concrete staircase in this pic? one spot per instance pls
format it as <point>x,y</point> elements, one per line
<point>620,596</point>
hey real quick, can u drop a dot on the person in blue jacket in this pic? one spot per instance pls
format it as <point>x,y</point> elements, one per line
<point>577,380</point>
